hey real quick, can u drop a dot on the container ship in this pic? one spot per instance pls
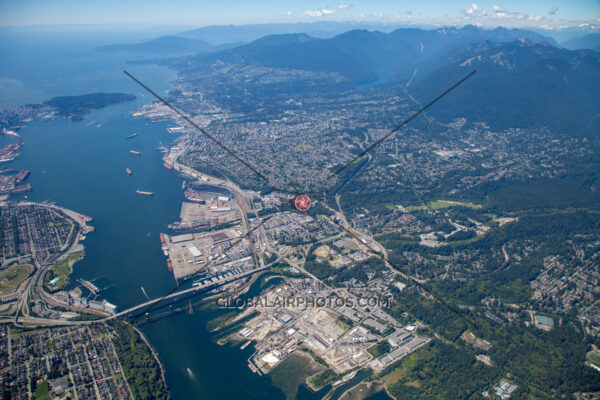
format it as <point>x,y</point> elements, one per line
<point>144,193</point>
<point>132,136</point>
<point>128,171</point>
<point>137,153</point>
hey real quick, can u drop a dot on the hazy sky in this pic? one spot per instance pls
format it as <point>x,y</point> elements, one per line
<point>201,12</point>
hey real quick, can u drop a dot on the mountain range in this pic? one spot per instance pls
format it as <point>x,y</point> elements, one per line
<point>523,79</point>
<point>520,84</point>
<point>360,54</point>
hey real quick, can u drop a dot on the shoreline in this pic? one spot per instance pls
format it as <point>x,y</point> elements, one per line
<point>154,354</point>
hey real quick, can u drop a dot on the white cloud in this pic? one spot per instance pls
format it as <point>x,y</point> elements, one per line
<point>500,13</point>
<point>344,6</point>
<point>319,13</point>
<point>474,11</point>
<point>289,13</point>
<point>553,10</point>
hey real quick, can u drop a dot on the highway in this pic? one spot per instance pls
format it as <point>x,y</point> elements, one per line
<point>34,286</point>
<point>142,306</point>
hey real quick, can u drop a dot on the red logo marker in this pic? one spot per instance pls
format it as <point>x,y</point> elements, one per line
<point>302,203</point>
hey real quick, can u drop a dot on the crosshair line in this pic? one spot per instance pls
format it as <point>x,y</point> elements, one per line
<point>210,262</point>
<point>182,115</point>
<point>409,277</point>
<point>264,178</point>
<point>401,125</point>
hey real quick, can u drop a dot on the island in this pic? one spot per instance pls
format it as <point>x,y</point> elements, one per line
<point>75,107</point>
<point>71,107</point>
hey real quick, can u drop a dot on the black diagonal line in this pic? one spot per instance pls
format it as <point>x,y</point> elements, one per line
<point>413,280</point>
<point>182,115</point>
<point>186,280</point>
<point>401,125</point>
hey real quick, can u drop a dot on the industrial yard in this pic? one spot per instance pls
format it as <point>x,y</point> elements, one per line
<point>192,252</point>
<point>305,314</point>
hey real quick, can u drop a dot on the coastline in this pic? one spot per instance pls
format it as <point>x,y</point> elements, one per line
<point>154,354</point>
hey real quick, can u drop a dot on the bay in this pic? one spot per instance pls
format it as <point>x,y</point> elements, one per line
<point>81,166</point>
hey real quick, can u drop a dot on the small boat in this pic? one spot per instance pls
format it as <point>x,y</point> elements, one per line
<point>132,136</point>
<point>137,153</point>
<point>128,171</point>
<point>144,193</point>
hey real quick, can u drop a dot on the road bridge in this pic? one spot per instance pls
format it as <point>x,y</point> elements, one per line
<point>209,284</point>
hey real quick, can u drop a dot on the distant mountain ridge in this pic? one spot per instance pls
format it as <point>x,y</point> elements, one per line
<point>224,34</point>
<point>220,34</point>
<point>359,55</point>
<point>165,46</point>
<point>590,41</point>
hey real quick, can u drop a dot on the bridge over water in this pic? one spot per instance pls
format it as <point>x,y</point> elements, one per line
<point>209,284</point>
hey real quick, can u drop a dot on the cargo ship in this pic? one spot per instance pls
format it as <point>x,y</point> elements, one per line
<point>167,166</point>
<point>128,171</point>
<point>144,193</point>
<point>195,196</point>
<point>132,136</point>
<point>21,189</point>
<point>137,153</point>
<point>162,238</point>
<point>18,178</point>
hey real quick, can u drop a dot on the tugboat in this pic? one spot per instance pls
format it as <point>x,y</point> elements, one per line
<point>128,171</point>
